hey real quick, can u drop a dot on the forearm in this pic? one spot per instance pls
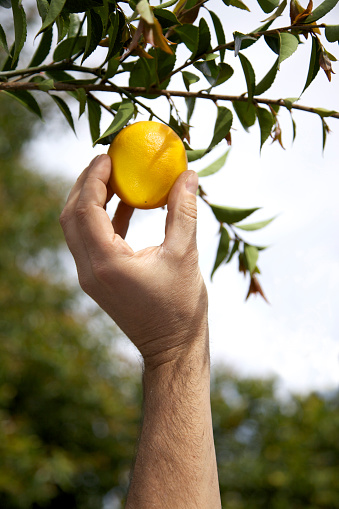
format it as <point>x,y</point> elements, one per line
<point>175,465</point>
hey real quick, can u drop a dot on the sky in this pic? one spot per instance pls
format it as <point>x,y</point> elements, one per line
<point>296,336</point>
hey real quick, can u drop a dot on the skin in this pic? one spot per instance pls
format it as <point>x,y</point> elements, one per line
<point>158,298</point>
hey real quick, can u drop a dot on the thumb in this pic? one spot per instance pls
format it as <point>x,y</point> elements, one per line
<point>181,222</point>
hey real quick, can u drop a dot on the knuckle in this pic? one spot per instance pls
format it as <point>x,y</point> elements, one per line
<point>81,212</point>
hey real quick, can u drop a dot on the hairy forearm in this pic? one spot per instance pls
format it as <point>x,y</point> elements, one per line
<point>175,465</point>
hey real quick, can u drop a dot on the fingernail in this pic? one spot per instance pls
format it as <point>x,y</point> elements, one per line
<point>192,183</point>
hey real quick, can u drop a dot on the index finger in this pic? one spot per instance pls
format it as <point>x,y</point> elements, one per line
<point>95,226</point>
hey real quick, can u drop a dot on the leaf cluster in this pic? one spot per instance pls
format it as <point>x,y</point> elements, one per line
<point>148,45</point>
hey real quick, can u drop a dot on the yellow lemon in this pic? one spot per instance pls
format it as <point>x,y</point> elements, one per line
<point>147,158</point>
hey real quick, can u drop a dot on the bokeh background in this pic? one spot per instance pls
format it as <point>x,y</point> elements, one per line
<point>70,395</point>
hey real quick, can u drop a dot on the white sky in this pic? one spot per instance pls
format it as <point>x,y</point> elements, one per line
<point>296,336</point>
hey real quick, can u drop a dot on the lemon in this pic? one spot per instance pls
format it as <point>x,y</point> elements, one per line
<point>147,158</point>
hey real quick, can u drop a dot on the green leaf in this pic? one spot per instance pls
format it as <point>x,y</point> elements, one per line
<point>225,72</point>
<point>9,63</point>
<point>266,123</point>
<point>251,257</point>
<point>144,73</point>
<point>268,5</point>
<point>204,39</point>
<point>64,109</point>
<point>55,8</point>
<point>63,23</point>
<point>20,27</point>
<point>46,85</point>
<point>278,12</point>
<point>166,18</point>
<point>26,99</point>
<point>322,112</point>
<point>94,116</point>
<point>314,63</point>
<point>123,115</point>
<point>222,126</point>
<point>112,67</point>
<point>82,98</point>
<point>194,155</point>
<point>223,248</point>
<point>145,11</point>
<point>231,215</point>
<point>288,45</point>
<point>214,167</point>
<point>115,34</point>
<point>242,41</point>
<point>236,3</point>
<point>69,47</point>
<point>234,249</point>
<point>254,226</point>
<point>189,35</point>
<point>189,78</point>
<point>190,104</point>
<point>94,33</point>
<point>3,40</point>
<point>246,113</point>
<point>332,33</point>
<point>209,69</point>
<point>74,25</point>
<point>320,11</point>
<point>43,7</point>
<point>249,75</point>
<point>219,31</point>
<point>43,48</point>
<point>268,80</point>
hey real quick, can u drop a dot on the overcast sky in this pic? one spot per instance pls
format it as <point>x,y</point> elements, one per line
<point>296,337</point>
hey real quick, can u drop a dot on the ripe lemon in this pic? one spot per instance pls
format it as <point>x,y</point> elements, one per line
<point>147,158</point>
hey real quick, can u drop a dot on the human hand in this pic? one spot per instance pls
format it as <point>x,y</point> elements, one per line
<point>156,296</point>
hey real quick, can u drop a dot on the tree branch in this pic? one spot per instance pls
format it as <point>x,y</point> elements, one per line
<point>140,91</point>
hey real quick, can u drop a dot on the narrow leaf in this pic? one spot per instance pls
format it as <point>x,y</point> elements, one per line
<point>82,98</point>
<point>64,109</point>
<point>94,33</point>
<point>123,115</point>
<point>26,99</point>
<point>278,12</point>
<point>267,80</point>
<point>3,40</point>
<point>246,113</point>
<point>249,75</point>
<point>55,8</point>
<point>251,256</point>
<point>268,5</point>
<point>20,27</point>
<point>43,48</point>
<point>236,3</point>
<point>214,167</point>
<point>288,45</point>
<point>254,226</point>
<point>94,116</point>
<point>69,47</point>
<point>314,63</point>
<point>194,155</point>
<point>332,33</point>
<point>223,248</point>
<point>190,104</point>
<point>320,11</point>
<point>266,123</point>
<point>222,126</point>
<point>204,39</point>
<point>231,215</point>
<point>219,31</point>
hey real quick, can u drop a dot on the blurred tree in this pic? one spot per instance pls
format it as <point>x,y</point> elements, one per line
<point>68,413</point>
<point>272,453</point>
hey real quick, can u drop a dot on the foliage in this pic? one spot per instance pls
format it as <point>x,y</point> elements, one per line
<point>68,413</point>
<point>273,452</point>
<point>148,46</point>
